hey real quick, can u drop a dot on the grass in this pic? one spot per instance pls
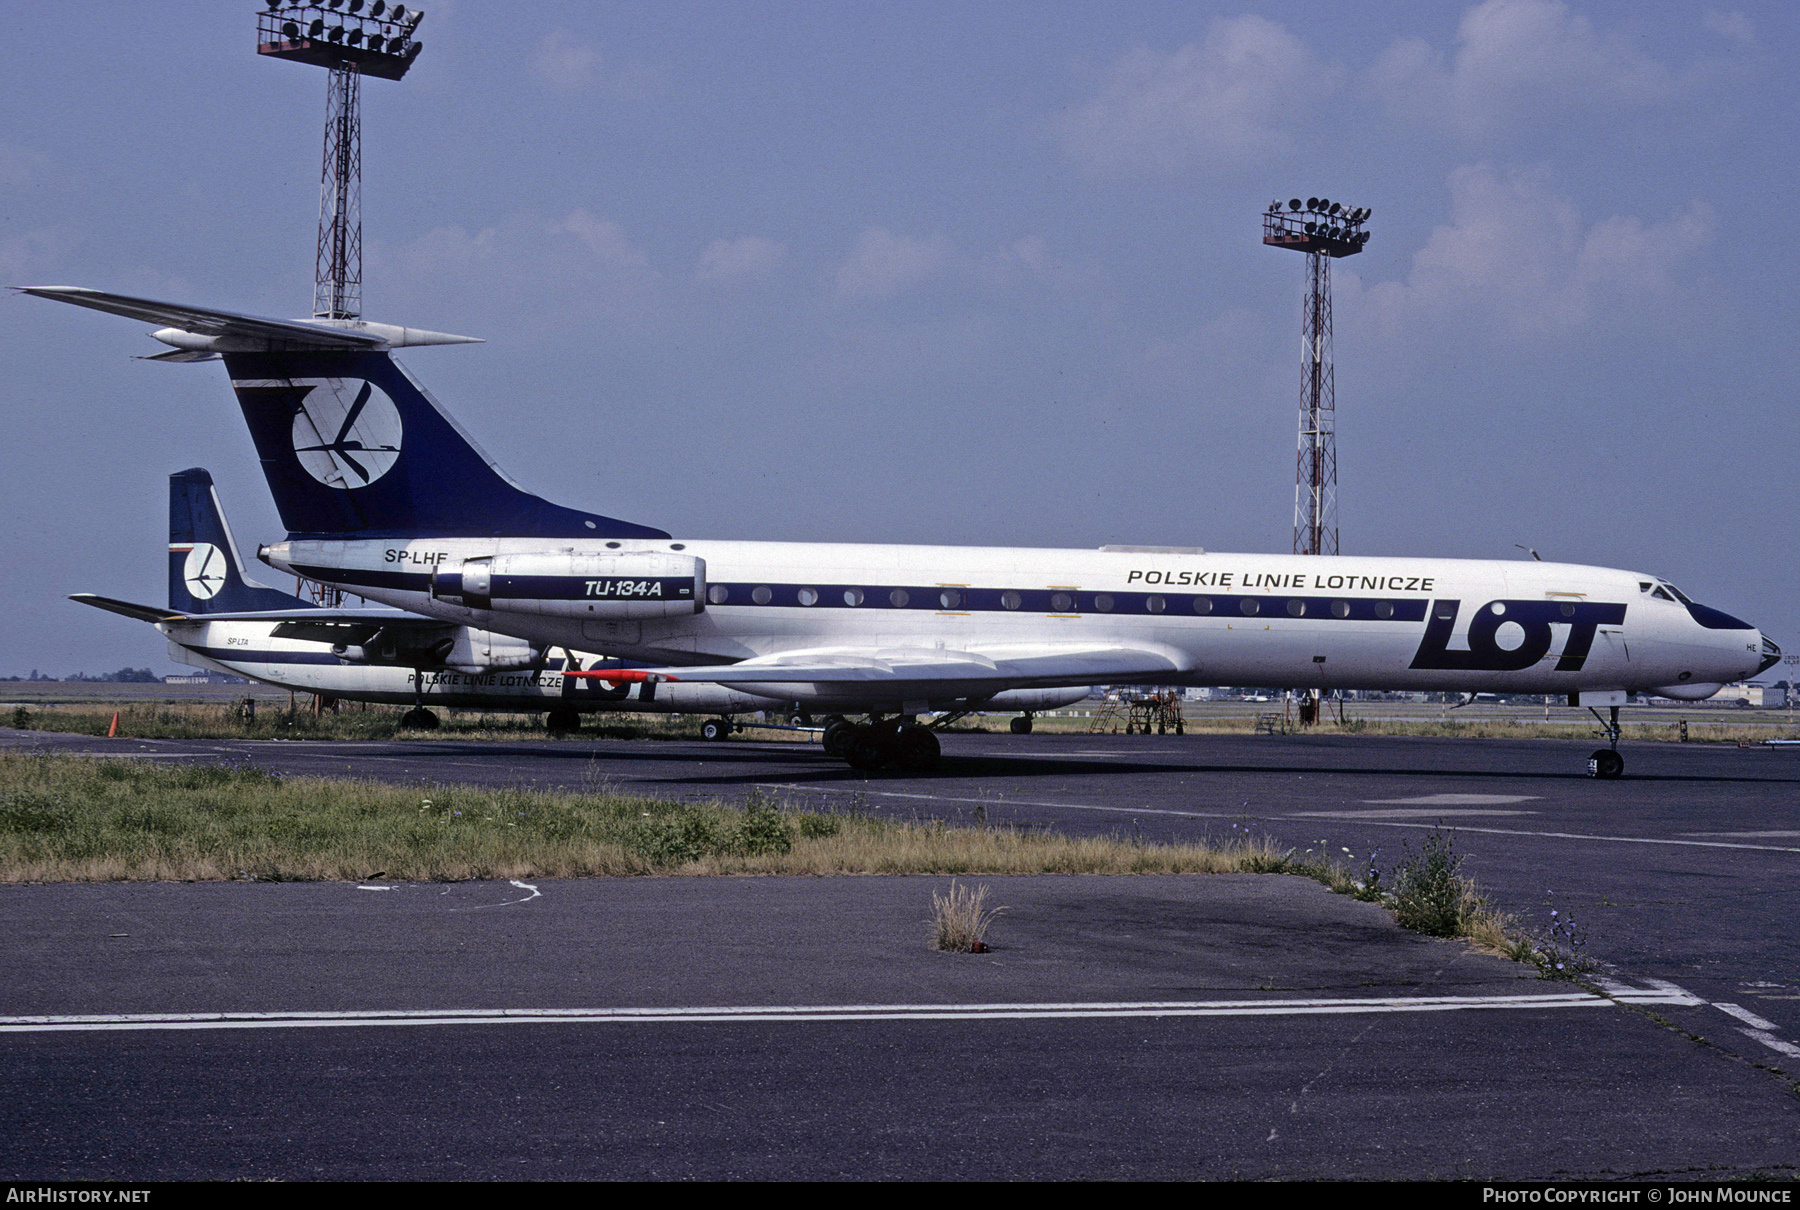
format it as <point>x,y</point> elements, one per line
<point>75,819</point>
<point>960,919</point>
<point>270,721</point>
<point>71,819</point>
<point>273,720</point>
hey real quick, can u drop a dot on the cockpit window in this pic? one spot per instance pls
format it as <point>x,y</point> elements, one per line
<point>1658,592</point>
<point>1677,593</point>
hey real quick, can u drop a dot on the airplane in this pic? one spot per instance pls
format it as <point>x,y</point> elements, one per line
<point>384,495</point>
<point>218,618</point>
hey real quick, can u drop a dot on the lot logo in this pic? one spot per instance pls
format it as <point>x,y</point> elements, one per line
<point>1506,636</point>
<point>204,571</point>
<point>346,432</point>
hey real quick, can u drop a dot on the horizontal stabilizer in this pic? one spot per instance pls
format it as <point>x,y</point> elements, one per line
<point>203,330</point>
<point>143,613</point>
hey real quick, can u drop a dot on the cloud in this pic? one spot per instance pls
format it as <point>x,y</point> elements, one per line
<point>1514,57</point>
<point>1519,257</point>
<point>739,259</point>
<point>883,264</point>
<point>605,239</point>
<point>1219,99</point>
<point>565,65</point>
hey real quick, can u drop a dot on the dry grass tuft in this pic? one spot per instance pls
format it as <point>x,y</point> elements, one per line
<point>960,919</point>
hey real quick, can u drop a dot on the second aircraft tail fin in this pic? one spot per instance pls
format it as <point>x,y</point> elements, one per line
<point>205,574</point>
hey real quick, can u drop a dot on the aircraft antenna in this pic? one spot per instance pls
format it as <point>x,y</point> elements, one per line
<point>1324,230</point>
<point>350,39</point>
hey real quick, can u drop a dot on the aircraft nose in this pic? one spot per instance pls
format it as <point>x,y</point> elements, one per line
<point>1771,655</point>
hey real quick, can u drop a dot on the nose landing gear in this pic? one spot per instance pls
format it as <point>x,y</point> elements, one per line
<point>1606,763</point>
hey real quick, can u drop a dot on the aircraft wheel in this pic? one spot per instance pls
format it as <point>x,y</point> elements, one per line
<point>715,728</point>
<point>561,722</point>
<point>1022,725</point>
<point>836,740</point>
<point>1606,764</point>
<point>917,748</point>
<point>869,748</point>
<point>799,718</point>
<point>419,719</point>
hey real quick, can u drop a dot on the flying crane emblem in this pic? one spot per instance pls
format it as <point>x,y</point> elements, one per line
<point>346,441</point>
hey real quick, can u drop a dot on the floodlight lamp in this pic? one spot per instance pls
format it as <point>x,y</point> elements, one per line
<point>334,3</point>
<point>378,8</point>
<point>356,6</point>
<point>354,37</point>
<point>316,28</point>
<point>412,20</point>
<point>335,34</point>
<point>374,41</point>
<point>399,13</point>
<point>289,30</point>
<point>1335,208</point>
<point>1293,203</point>
<point>1312,203</point>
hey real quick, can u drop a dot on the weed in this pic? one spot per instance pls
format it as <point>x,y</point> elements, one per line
<point>960,919</point>
<point>1562,956</point>
<point>762,832</point>
<point>1430,894</point>
<point>814,826</point>
<point>21,719</point>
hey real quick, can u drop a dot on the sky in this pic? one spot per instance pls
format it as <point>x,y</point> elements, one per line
<point>959,272</point>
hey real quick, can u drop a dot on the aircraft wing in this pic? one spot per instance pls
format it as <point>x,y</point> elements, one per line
<point>1019,666</point>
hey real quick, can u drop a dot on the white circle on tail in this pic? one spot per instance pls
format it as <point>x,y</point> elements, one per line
<point>347,432</point>
<point>204,571</point>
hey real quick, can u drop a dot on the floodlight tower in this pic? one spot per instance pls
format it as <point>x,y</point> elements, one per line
<point>351,39</point>
<point>1324,230</point>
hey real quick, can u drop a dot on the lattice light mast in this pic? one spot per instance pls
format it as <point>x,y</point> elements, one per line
<point>1324,230</point>
<point>352,40</point>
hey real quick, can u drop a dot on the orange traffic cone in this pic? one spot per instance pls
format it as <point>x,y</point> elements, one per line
<point>113,730</point>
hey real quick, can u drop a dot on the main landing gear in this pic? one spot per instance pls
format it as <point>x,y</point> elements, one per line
<point>717,729</point>
<point>1022,725</point>
<point>562,722</point>
<point>419,718</point>
<point>880,742</point>
<point>1606,763</point>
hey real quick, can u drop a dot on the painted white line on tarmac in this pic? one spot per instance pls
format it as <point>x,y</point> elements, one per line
<point>796,1013</point>
<point>1772,1042</point>
<point>1308,817</point>
<point>1747,1017</point>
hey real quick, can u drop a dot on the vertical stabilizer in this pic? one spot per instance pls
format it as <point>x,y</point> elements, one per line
<point>205,575</point>
<point>352,446</point>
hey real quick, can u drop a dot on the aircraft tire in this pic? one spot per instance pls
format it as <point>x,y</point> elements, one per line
<point>916,748</point>
<point>799,718</point>
<point>836,740</point>
<point>561,722</point>
<point>1606,764</point>
<point>1022,725</point>
<point>419,719</point>
<point>715,729</point>
<point>869,748</point>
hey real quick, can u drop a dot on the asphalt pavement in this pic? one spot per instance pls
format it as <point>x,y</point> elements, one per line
<point>1212,1026</point>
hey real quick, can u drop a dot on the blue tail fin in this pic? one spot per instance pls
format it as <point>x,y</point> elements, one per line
<point>204,573</point>
<point>352,446</point>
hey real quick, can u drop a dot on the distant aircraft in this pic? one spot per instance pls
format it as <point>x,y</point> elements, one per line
<point>384,495</point>
<point>218,619</point>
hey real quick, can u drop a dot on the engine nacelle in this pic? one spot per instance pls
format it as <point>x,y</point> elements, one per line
<point>485,651</point>
<point>460,647</point>
<point>584,586</point>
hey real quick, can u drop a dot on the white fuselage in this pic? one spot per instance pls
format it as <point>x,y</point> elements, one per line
<point>1224,619</point>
